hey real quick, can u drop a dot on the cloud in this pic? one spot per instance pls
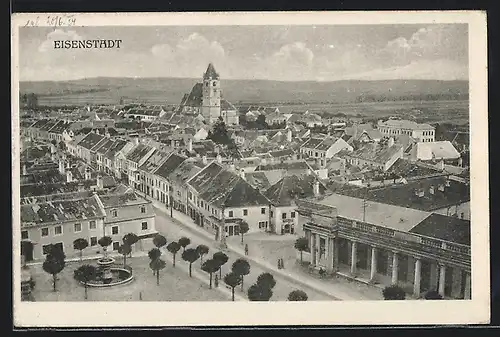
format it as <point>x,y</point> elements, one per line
<point>441,69</point>
<point>291,62</point>
<point>58,34</point>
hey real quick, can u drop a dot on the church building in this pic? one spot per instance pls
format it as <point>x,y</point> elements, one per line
<point>206,99</point>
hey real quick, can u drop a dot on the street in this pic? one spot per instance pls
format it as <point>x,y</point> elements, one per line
<point>173,231</point>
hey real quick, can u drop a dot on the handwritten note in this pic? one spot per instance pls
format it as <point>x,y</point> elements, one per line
<point>53,20</point>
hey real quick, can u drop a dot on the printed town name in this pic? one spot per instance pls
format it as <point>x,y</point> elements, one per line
<point>87,44</point>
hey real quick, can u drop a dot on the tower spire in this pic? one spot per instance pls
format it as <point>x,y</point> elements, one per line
<point>211,73</point>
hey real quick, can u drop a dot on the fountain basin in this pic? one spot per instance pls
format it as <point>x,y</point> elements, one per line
<point>119,276</point>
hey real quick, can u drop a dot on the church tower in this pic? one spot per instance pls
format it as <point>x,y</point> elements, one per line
<point>210,108</point>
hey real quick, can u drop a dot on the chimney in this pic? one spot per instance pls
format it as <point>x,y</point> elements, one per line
<point>136,140</point>
<point>172,143</point>
<point>460,162</point>
<point>390,142</point>
<point>441,187</point>
<point>62,167</point>
<point>263,161</point>
<point>431,189</point>
<point>88,174</point>
<point>190,145</point>
<point>242,174</point>
<point>219,159</point>
<point>419,192</point>
<point>289,135</point>
<point>100,184</point>
<point>69,176</point>
<point>204,160</point>
<point>107,134</point>
<point>24,170</point>
<point>316,188</point>
<point>447,183</point>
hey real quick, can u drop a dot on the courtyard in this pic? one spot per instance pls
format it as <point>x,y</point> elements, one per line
<point>175,285</point>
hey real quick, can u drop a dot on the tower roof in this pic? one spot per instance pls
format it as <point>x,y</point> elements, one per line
<point>210,73</point>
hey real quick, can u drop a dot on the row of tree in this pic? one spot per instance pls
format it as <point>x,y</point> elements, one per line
<point>395,292</point>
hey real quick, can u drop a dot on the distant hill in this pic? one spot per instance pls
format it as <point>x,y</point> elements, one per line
<point>171,90</point>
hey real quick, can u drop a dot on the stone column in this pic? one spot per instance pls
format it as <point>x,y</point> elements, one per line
<point>434,276</point>
<point>395,262</point>
<point>373,265</point>
<point>329,255</point>
<point>336,254</point>
<point>354,257</point>
<point>467,291</point>
<point>416,281</point>
<point>316,249</point>
<point>456,282</point>
<point>442,279</point>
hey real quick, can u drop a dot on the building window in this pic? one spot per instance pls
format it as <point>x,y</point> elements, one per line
<point>24,235</point>
<point>144,226</point>
<point>116,245</point>
<point>292,214</point>
<point>230,214</point>
<point>92,224</point>
<point>114,213</point>
<point>263,224</point>
<point>78,227</point>
<point>245,212</point>
<point>272,214</point>
<point>143,209</point>
<point>190,196</point>
<point>114,230</point>
<point>57,230</point>
<point>201,203</point>
<point>93,241</point>
<point>45,249</point>
<point>283,215</point>
<point>263,210</point>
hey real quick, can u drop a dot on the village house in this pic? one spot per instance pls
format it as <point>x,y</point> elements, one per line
<point>85,148</point>
<point>324,148</point>
<point>134,159</point>
<point>381,155</point>
<point>61,132</point>
<point>282,195</point>
<point>421,132</point>
<point>388,244</point>
<point>147,114</point>
<point>441,150</point>
<point>217,195</point>
<point>126,212</point>
<point>147,177</point>
<point>59,221</point>
<point>162,188</point>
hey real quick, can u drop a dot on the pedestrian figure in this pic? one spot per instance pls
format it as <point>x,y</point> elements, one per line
<point>282,264</point>
<point>140,296</point>
<point>279,263</point>
<point>246,249</point>
<point>216,281</point>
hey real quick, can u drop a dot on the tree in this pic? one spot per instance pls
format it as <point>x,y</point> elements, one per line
<point>173,247</point>
<point>159,240</point>
<point>297,295</point>
<point>80,244</point>
<point>184,242</point>
<point>241,267</point>
<point>53,265</point>
<point>233,280</point>
<point>301,244</point>
<point>258,292</point>
<point>202,250</point>
<point>190,255</point>
<point>261,122</point>
<point>222,259</point>
<point>433,295</point>
<point>210,266</point>
<point>130,239</point>
<point>219,134</point>
<point>243,229</point>
<point>266,280</point>
<point>62,146</point>
<point>393,292</point>
<point>156,265</point>
<point>85,274</point>
<point>56,252</point>
<point>124,249</point>
<point>104,242</point>
<point>154,253</point>
<point>53,142</point>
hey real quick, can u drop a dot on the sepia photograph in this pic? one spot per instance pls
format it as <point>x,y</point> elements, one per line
<point>192,160</point>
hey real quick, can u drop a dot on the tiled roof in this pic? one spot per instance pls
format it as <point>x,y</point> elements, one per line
<point>154,162</point>
<point>210,73</point>
<point>375,152</point>
<point>404,124</point>
<point>205,176</point>
<point>33,190</point>
<point>47,126</point>
<point>282,153</point>
<point>291,187</point>
<point>226,105</point>
<point>121,199</point>
<point>297,165</point>
<point>39,123</point>
<point>169,165</point>
<point>60,127</point>
<point>104,146</point>
<point>445,228</point>
<point>91,140</point>
<point>437,150</point>
<point>138,152</point>
<point>60,211</point>
<point>258,180</point>
<point>117,146</point>
<point>185,171</point>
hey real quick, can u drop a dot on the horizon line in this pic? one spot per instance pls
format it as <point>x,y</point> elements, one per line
<point>244,79</point>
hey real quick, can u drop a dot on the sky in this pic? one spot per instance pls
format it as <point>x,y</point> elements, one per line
<point>285,53</point>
